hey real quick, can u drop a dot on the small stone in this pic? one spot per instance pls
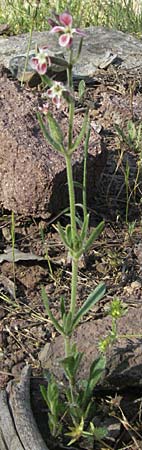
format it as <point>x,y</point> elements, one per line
<point>16,370</point>
<point>44,355</point>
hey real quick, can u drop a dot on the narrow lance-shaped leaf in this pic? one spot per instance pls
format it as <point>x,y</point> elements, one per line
<point>46,80</point>
<point>63,235</point>
<point>80,136</point>
<point>67,323</point>
<point>81,88</point>
<point>96,372</point>
<point>62,306</point>
<point>93,236</point>
<point>84,228</point>
<point>54,128</point>
<point>51,317</point>
<point>69,234</point>
<point>93,298</point>
<point>120,133</point>
<point>56,145</point>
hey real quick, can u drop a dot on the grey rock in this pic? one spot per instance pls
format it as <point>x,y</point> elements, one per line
<point>124,358</point>
<point>96,45</point>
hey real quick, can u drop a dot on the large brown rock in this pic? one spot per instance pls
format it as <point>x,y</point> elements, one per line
<point>33,175</point>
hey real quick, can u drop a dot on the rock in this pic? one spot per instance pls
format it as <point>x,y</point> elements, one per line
<point>97,42</point>
<point>124,358</point>
<point>33,175</point>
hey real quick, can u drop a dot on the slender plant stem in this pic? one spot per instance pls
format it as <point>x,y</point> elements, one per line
<point>67,345</point>
<point>71,197</point>
<point>74,285</point>
<point>71,106</point>
<point>30,40</point>
<point>85,170</point>
<point>74,233</point>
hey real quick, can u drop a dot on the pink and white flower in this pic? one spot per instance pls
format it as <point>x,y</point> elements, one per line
<point>41,61</point>
<point>44,109</point>
<point>65,29</point>
<point>56,92</point>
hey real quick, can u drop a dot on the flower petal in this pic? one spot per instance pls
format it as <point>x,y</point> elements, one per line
<point>65,19</point>
<point>34,63</point>
<point>44,50</point>
<point>57,29</point>
<point>56,100</point>
<point>50,92</point>
<point>41,68</point>
<point>65,40</point>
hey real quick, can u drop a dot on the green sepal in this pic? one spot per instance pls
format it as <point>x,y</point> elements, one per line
<point>56,145</point>
<point>51,317</point>
<point>93,298</point>
<point>54,128</point>
<point>93,236</point>
<point>80,136</point>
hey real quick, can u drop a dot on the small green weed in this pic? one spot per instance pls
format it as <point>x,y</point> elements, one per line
<point>131,140</point>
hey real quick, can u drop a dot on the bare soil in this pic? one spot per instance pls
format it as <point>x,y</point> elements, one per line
<point>115,258</point>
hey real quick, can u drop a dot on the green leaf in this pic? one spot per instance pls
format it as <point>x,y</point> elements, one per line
<point>68,365</point>
<point>67,323</point>
<point>52,318</point>
<point>80,136</point>
<point>97,367</point>
<point>54,128</point>
<point>47,81</point>
<point>69,235</point>
<point>96,372</point>
<point>120,132</point>
<point>77,360</point>
<point>63,235</point>
<point>56,145</point>
<point>98,432</point>
<point>132,132</point>
<point>81,88</point>
<point>84,228</point>
<point>43,393</point>
<point>93,236</point>
<point>93,298</point>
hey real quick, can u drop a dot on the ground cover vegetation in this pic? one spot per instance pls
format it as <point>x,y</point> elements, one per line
<point>124,15</point>
<point>75,234</point>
